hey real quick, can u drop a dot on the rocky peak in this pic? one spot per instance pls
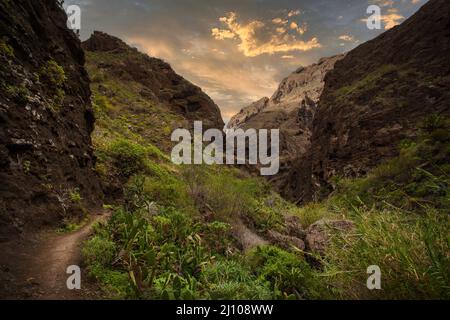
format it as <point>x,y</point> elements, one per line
<point>156,79</point>
<point>100,41</point>
<point>246,113</point>
<point>297,93</point>
<point>305,82</point>
<point>291,109</point>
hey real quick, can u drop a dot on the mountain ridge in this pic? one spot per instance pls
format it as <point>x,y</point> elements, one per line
<point>374,98</point>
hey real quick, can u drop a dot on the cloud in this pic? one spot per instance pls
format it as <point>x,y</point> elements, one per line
<point>222,34</point>
<point>346,37</point>
<point>392,18</point>
<point>300,29</point>
<point>384,3</point>
<point>180,32</point>
<point>256,38</point>
<point>293,13</point>
<point>280,21</point>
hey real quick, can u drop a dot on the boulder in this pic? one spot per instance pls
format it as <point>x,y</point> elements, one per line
<point>294,227</point>
<point>318,234</point>
<point>284,241</point>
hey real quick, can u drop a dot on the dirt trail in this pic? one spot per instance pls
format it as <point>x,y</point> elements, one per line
<point>37,269</point>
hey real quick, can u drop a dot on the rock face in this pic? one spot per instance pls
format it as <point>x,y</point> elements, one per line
<point>374,98</point>
<point>291,109</point>
<point>239,120</point>
<point>318,234</point>
<point>46,119</point>
<point>158,82</point>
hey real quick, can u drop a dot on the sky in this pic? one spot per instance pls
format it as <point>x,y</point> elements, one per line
<point>238,51</point>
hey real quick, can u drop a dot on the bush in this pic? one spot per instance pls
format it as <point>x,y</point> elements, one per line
<point>53,74</point>
<point>75,196</point>
<point>99,251</point>
<point>115,284</point>
<point>229,196</point>
<point>128,157</point>
<point>164,189</point>
<point>289,274</point>
<point>312,212</point>
<point>232,280</point>
<point>19,94</point>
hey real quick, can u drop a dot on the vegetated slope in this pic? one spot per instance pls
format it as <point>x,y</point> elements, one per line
<point>374,98</point>
<point>46,119</point>
<point>139,101</point>
<point>291,109</point>
<point>144,93</point>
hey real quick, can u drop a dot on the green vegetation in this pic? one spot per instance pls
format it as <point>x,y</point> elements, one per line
<point>368,82</point>
<point>72,225</point>
<point>26,166</point>
<point>402,225</point>
<point>6,50</point>
<point>19,94</point>
<point>128,157</point>
<point>75,196</point>
<point>172,238</point>
<point>54,76</point>
<point>123,110</point>
<point>174,234</point>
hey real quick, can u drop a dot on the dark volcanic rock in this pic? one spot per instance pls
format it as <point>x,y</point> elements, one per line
<point>45,116</point>
<point>161,83</point>
<point>374,98</point>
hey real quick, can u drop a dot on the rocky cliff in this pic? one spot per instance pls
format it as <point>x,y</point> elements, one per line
<point>291,109</point>
<point>46,119</point>
<point>151,86</point>
<point>374,99</point>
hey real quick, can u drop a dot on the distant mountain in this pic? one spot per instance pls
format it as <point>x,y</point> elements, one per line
<point>374,98</point>
<point>291,109</point>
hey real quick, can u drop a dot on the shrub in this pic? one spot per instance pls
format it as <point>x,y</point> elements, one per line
<point>267,213</point>
<point>6,50</point>
<point>116,284</point>
<point>312,212</point>
<point>232,280</point>
<point>52,73</point>
<point>75,196</point>
<point>101,104</point>
<point>99,251</point>
<point>164,189</point>
<point>288,273</point>
<point>19,94</point>
<point>128,157</point>
<point>218,236</point>
<point>229,196</point>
